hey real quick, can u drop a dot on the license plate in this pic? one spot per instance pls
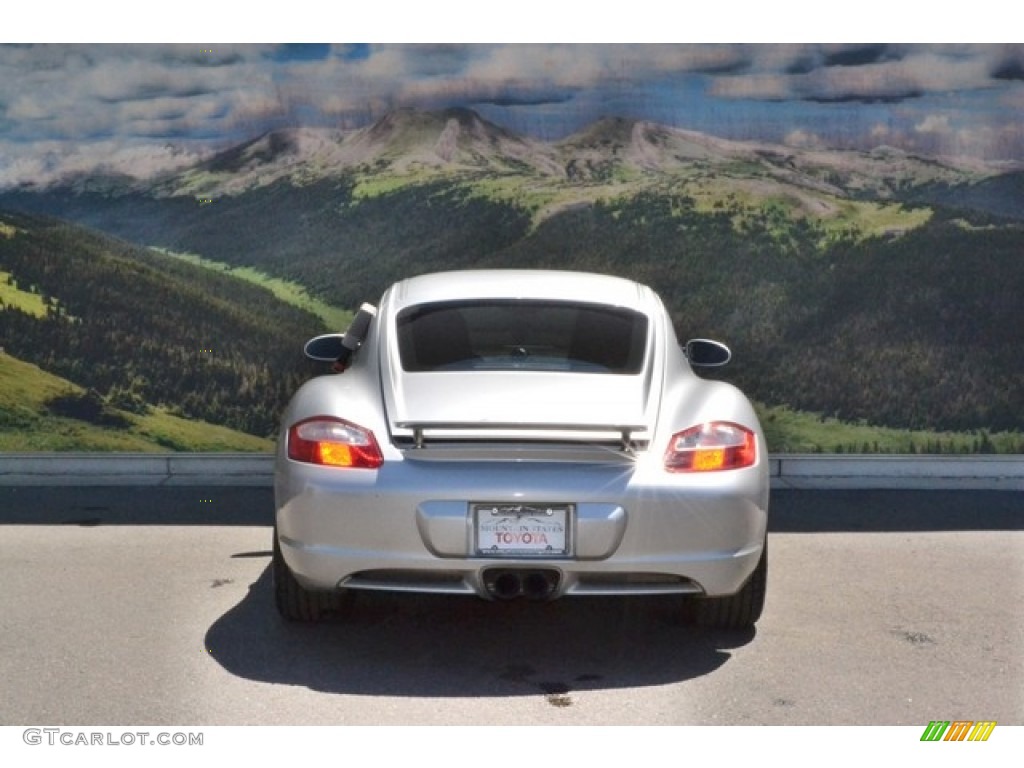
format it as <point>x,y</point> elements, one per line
<point>522,529</point>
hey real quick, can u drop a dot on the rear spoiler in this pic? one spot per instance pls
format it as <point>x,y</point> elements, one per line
<point>567,432</point>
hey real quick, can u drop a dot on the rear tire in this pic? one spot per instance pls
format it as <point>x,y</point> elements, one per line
<point>295,602</point>
<point>739,611</point>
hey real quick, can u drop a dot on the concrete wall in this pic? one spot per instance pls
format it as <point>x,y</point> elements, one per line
<point>787,471</point>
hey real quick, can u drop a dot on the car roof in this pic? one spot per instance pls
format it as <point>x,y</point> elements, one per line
<point>555,285</point>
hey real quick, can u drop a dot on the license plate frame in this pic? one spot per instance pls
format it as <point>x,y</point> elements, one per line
<point>517,530</point>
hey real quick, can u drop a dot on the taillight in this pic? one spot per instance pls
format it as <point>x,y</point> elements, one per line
<point>333,443</point>
<point>712,446</point>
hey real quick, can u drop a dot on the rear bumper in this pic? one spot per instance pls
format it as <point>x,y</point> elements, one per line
<point>408,527</point>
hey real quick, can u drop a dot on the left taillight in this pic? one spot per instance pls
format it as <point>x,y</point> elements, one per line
<point>712,446</point>
<point>333,443</point>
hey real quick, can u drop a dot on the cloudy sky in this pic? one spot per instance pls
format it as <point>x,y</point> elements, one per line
<point>141,107</point>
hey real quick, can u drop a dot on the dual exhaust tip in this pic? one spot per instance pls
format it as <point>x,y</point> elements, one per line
<point>533,584</point>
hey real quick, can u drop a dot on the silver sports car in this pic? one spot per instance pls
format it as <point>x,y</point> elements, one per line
<point>511,434</point>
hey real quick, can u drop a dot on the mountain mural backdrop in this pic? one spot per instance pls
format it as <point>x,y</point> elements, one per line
<point>870,295</point>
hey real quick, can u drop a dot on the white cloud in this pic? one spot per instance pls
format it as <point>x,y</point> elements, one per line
<point>74,101</point>
<point>804,140</point>
<point>880,133</point>
<point>934,124</point>
<point>49,162</point>
<point>769,87</point>
<point>811,72</point>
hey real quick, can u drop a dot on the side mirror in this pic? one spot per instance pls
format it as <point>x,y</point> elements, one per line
<point>338,348</point>
<point>326,348</point>
<point>705,353</point>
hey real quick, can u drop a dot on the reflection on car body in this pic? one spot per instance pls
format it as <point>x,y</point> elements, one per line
<point>507,433</point>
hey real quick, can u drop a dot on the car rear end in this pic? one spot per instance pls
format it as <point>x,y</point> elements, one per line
<point>523,437</point>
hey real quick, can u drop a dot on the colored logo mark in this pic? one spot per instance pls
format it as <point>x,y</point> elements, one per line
<point>958,730</point>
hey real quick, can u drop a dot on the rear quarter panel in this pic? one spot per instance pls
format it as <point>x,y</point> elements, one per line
<point>689,400</point>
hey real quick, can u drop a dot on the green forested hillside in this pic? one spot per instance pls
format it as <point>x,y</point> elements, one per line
<point>923,330</point>
<point>345,249</point>
<point>1001,196</point>
<point>138,329</point>
<point>30,420</point>
<point>920,330</point>
<point>882,314</point>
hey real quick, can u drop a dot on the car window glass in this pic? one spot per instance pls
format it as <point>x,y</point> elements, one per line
<point>522,335</point>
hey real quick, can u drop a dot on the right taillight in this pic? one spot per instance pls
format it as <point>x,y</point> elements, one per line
<point>710,447</point>
<point>333,442</point>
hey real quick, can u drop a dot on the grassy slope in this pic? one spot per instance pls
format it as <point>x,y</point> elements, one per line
<point>789,431</point>
<point>289,292</point>
<point>27,425</point>
<point>31,303</point>
<point>145,324</point>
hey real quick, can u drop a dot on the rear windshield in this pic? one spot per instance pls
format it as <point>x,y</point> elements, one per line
<point>522,335</point>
